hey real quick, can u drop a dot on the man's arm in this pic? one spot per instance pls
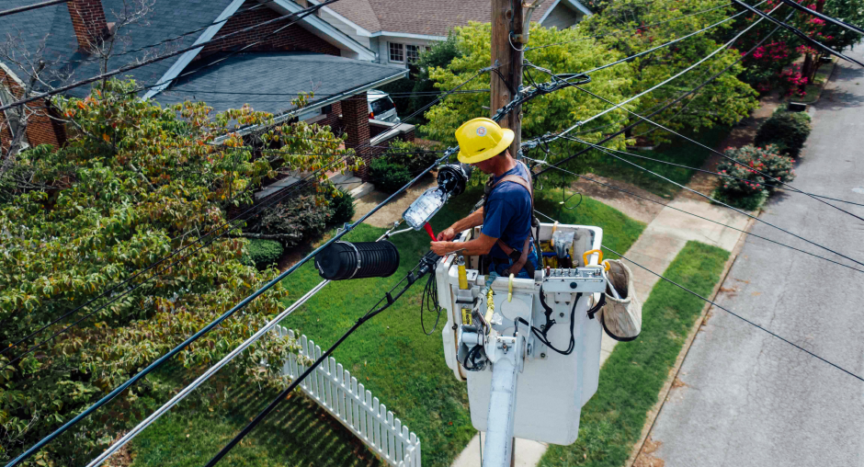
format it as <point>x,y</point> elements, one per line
<point>473,220</point>
<point>478,246</point>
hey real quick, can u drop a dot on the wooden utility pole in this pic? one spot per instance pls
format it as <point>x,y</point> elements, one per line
<point>507,20</point>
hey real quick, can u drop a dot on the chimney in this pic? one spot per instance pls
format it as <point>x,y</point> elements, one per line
<point>88,21</point>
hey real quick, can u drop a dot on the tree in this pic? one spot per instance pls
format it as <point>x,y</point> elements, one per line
<point>134,183</point>
<point>573,51</point>
<point>726,100</point>
<point>836,37</point>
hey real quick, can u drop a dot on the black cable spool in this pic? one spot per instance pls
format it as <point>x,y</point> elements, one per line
<point>344,260</point>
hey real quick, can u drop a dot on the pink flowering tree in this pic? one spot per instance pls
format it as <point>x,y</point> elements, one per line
<point>851,11</point>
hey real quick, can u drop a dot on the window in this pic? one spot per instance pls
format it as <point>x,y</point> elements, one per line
<point>381,105</point>
<point>397,53</point>
<point>412,53</point>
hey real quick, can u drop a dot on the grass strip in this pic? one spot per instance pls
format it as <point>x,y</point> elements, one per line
<point>635,372</point>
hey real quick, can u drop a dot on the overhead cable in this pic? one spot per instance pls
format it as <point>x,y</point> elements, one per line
<point>34,6</point>
<point>645,198</point>
<point>724,156</point>
<point>546,138</point>
<point>799,33</point>
<point>664,82</point>
<point>666,44</point>
<point>425,267</point>
<point>298,15</point>
<point>713,200</point>
<point>824,17</point>
<point>637,28</point>
<point>712,303</point>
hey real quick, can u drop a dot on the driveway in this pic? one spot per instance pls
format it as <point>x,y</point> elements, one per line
<point>749,399</point>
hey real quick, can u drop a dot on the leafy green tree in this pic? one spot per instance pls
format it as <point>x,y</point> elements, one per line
<point>725,101</point>
<point>548,113</point>
<point>135,182</point>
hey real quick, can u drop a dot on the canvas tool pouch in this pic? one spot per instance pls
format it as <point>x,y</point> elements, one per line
<point>621,317</point>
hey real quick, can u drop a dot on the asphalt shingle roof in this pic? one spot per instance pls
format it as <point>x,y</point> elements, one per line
<point>269,81</point>
<point>429,17</point>
<point>24,33</point>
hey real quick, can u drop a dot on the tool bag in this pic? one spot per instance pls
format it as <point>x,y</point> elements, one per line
<point>621,317</point>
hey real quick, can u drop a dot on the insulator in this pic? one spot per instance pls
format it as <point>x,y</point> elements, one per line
<point>344,260</point>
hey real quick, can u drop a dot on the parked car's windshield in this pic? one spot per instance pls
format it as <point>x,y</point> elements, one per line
<point>382,105</point>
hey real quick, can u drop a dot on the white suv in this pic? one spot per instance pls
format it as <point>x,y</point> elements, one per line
<point>381,107</point>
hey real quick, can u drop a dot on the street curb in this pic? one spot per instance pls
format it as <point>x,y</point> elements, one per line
<point>691,336</point>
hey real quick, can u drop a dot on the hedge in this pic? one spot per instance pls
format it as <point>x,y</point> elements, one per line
<point>263,253</point>
<point>788,130</point>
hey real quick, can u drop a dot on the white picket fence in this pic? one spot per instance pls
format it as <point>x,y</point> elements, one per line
<point>348,401</point>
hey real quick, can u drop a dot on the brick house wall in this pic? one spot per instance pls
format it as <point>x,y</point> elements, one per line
<point>355,123</point>
<point>40,130</point>
<point>293,38</point>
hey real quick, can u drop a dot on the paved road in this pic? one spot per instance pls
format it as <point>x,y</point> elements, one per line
<point>750,399</point>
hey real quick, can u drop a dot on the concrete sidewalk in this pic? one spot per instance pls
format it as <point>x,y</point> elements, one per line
<point>655,249</point>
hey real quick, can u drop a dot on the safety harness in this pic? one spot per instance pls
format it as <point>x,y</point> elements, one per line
<point>519,258</point>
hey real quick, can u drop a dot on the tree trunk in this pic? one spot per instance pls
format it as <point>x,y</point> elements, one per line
<point>811,63</point>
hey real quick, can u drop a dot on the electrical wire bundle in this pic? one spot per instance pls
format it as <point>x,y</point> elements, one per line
<point>429,303</point>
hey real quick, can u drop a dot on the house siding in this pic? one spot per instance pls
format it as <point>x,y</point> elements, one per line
<point>562,17</point>
<point>293,38</point>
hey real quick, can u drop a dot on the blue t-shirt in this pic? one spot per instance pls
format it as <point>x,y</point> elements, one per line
<point>508,212</point>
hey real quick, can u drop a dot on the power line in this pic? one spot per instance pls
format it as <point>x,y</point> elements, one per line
<point>635,195</point>
<point>242,304</point>
<point>667,44</point>
<point>729,158</point>
<point>799,33</point>
<point>34,6</point>
<point>824,17</point>
<point>615,33</point>
<point>228,224</point>
<point>772,333</point>
<point>670,103</point>
<point>425,267</point>
<point>299,15</point>
<point>603,150</point>
<point>664,82</point>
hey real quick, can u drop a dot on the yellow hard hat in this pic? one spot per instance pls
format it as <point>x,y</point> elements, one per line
<point>480,139</point>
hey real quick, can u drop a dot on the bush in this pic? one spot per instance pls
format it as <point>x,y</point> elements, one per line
<point>293,221</point>
<point>388,176</point>
<point>788,130</point>
<point>341,208</point>
<point>263,253</point>
<point>412,156</point>
<point>744,187</point>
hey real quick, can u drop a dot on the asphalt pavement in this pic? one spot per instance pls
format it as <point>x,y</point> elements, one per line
<point>748,398</point>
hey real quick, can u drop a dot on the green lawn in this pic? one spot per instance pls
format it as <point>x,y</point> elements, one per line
<point>403,367</point>
<point>678,151</point>
<point>634,374</point>
<point>297,434</point>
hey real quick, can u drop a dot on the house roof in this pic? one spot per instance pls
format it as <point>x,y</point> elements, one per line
<point>270,81</point>
<point>423,17</point>
<point>51,27</point>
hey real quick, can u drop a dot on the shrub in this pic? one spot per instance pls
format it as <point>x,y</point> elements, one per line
<point>341,208</point>
<point>388,176</point>
<point>744,187</point>
<point>788,130</point>
<point>263,253</point>
<point>412,156</point>
<point>293,221</point>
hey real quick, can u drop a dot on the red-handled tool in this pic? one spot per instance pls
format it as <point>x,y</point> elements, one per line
<point>429,231</point>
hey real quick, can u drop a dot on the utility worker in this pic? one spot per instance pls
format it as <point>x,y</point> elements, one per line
<point>507,212</point>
